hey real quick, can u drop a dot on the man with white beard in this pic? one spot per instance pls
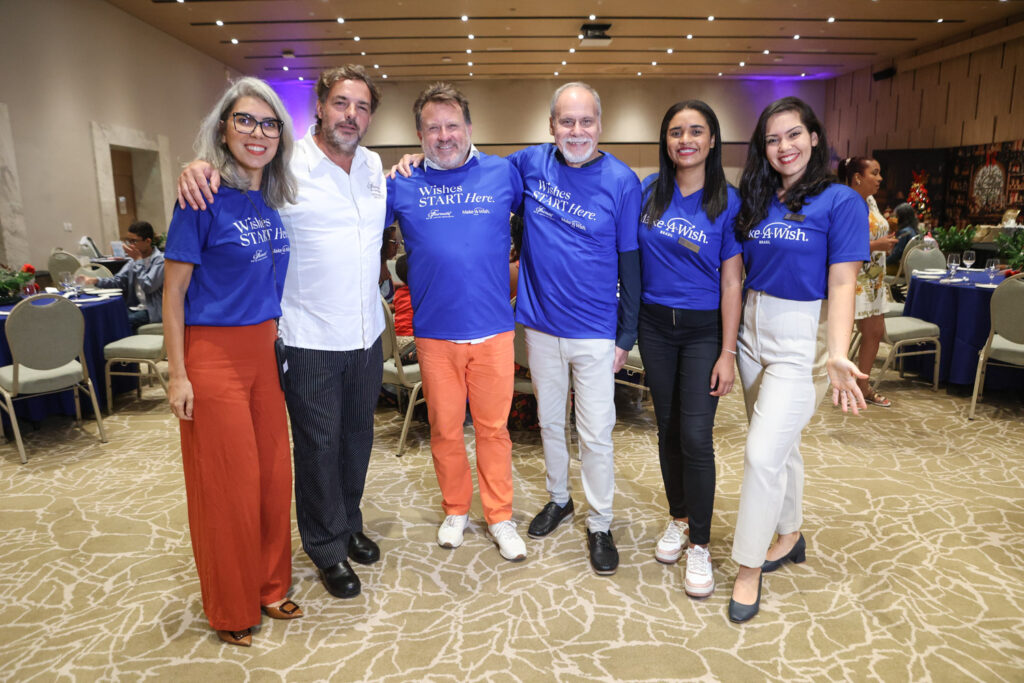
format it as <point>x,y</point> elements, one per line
<point>581,210</point>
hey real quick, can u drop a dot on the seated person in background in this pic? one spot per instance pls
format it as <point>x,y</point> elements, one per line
<point>402,306</point>
<point>388,249</point>
<point>906,227</point>
<point>516,225</point>
<point>142,280</point>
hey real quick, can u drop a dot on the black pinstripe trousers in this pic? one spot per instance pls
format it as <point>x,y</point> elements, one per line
<point>331,399</point>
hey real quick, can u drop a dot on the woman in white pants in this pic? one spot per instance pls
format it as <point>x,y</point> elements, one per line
<point>803,244</point>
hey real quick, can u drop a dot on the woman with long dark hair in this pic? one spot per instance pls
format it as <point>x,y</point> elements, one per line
<point>803,245</point>
<point>689,314</point>
<point>224,274</point>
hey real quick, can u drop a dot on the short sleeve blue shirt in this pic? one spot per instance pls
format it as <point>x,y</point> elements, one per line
<point>456,231</point>
<point>788,253</point>
<point>682,252</point>
<point>576,222</point>
<point>237,246</point>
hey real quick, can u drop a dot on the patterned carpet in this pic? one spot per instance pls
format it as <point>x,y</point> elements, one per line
<point>915,569</point>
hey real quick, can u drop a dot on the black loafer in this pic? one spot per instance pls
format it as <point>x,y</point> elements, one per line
<point>797,555</point>
<point>361,549</point>
<point>604,558</point>
<point>340,581</point>
<point>548,519</point>
<point>739,613</point>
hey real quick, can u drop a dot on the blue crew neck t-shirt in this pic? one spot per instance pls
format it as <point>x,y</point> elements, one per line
<point>576,222</point>
<point>237,245</point>
<point>788,253</point>
<point>682,252</point>
<point>455,224</point>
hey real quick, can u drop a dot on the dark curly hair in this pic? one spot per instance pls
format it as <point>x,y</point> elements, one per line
<point>760,181</point>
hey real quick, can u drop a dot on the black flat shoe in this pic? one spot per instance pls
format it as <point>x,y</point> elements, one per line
<point>604,558</point>
<point>362,550</point>
<point>548,519</point>
<point>797,555</point>
<point>739,613</point>
<point>340,581</point>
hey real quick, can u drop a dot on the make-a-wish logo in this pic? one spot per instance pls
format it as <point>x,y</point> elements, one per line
<point>259,255</point>
<point>434,213</point>
<point>680,227</point>
<point>476,211</point>
<point>778,231</point>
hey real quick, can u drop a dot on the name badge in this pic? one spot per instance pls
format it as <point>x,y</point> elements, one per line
<point>798,217</point>
<point>695,248</point>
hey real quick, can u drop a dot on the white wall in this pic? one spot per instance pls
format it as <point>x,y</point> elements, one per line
<point>68,63</point>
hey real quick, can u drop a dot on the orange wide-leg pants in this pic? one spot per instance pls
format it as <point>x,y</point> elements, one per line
<point>238,477</point>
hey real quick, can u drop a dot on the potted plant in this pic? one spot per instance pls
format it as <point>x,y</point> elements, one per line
<point>1011,247</point>
<point>12,282</point>
<point>953,240</point>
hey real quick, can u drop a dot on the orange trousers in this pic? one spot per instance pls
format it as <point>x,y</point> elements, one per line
<point>238,476</point>
<point>483,373</point>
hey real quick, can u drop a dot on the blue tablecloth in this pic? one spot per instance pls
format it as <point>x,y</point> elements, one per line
<point>106,320</point>
<point>961,310</point>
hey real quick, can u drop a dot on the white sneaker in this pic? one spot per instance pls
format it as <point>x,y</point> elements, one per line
<point>670,546</point>
<point>510,545</point>
<point>449,534</point>
<point>700,579</point>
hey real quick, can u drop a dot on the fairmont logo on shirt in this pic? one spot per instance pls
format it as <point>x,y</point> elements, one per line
<point>434,213</point>
<point>560,200</point>
<point>680,227</point>
<point>259,255</point>
<point>444,195</point>
<point>778,231</point>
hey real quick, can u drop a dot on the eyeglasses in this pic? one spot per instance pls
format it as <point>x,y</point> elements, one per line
<point>246,124</point>
<point>131,240</point>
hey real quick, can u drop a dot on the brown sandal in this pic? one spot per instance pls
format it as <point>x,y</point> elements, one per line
<point>243,638</point>
<point>286,610</point>
<point>876,399</point>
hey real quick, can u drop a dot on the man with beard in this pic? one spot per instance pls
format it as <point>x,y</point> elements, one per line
<point>332,319</point>
<point>581,211</point>
<point>454,215</point>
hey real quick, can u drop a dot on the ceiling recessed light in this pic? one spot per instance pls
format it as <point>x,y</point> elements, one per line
<point>219,22</point>
<point>711,17</point>
<point>302,78</point>
<point>669,51</point>
<point>469,63</point>
<point>580,36</point>
<point>383,75</point>
<point>767,52</point>
<point>638,73</point>
<point>471,36</point>
<point>284,68</point>
<point>593,16</point>
<point>341,20</point>
<point>556,73</point>
<point>563,62</point>
<point>796,36</point>
<point>719,73</point>
<point>803,74</point>
<point>831,20</point>
<point>181,1</point>
<point>654,64</point>
<point>465,18</point>
<point>938,21</point>
<point>234,41</point>
<point>376,66</point>
<point>363,53</point>
<point>743,63</point>
<point>468,51</point>
<point>470,73</point>
<point>355,38</point>
<point>689,36</point>
<point>572,50</point>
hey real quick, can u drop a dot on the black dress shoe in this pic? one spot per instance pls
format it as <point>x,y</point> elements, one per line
<point>739,613</point>
<point>604,558</point>
<point>548,519</point>
<point>340,581</point>
<point>797,555</point>
<point>361,549</point>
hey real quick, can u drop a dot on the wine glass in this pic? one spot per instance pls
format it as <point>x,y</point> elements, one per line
<point>953,262</point>
<point>969,258</point>
<point>990,269</point>
<point>67,283</point>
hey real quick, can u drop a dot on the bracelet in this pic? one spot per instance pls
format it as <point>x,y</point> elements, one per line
<point>729,351</point>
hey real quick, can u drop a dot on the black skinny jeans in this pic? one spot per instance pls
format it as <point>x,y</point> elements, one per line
<point>679,348</point>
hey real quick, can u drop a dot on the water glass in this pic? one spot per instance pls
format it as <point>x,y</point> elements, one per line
<point>953,262</point>
<point>969,258</point>
<point>990,269</point>
<point>67,284</point>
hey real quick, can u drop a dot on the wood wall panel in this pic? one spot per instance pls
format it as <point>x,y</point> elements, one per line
<point>975,98</point>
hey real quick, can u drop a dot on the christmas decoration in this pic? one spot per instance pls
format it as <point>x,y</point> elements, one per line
<point>918,197</point>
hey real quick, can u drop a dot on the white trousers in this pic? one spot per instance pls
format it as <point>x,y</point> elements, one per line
<point>782,353</point>
<point>591,362</point>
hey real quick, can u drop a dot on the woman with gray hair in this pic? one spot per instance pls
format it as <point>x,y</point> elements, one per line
<point>224,274</point>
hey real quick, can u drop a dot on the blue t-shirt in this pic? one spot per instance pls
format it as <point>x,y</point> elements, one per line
<point>788,254</point>
<point>456,231</point>
<point>682,252</point>
<point>236,245</point>
<point>576,221</point>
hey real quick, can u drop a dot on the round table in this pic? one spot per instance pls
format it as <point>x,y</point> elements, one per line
<point>961,310</point>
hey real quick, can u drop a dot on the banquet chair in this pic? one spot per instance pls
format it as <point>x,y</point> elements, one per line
<point>903,332</point>
<point>403,376</point>
<point>46,335</point>
<point>1005,344</point>
<point>94,270</point>
<point>61,263</point>
<point>143,350</point>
